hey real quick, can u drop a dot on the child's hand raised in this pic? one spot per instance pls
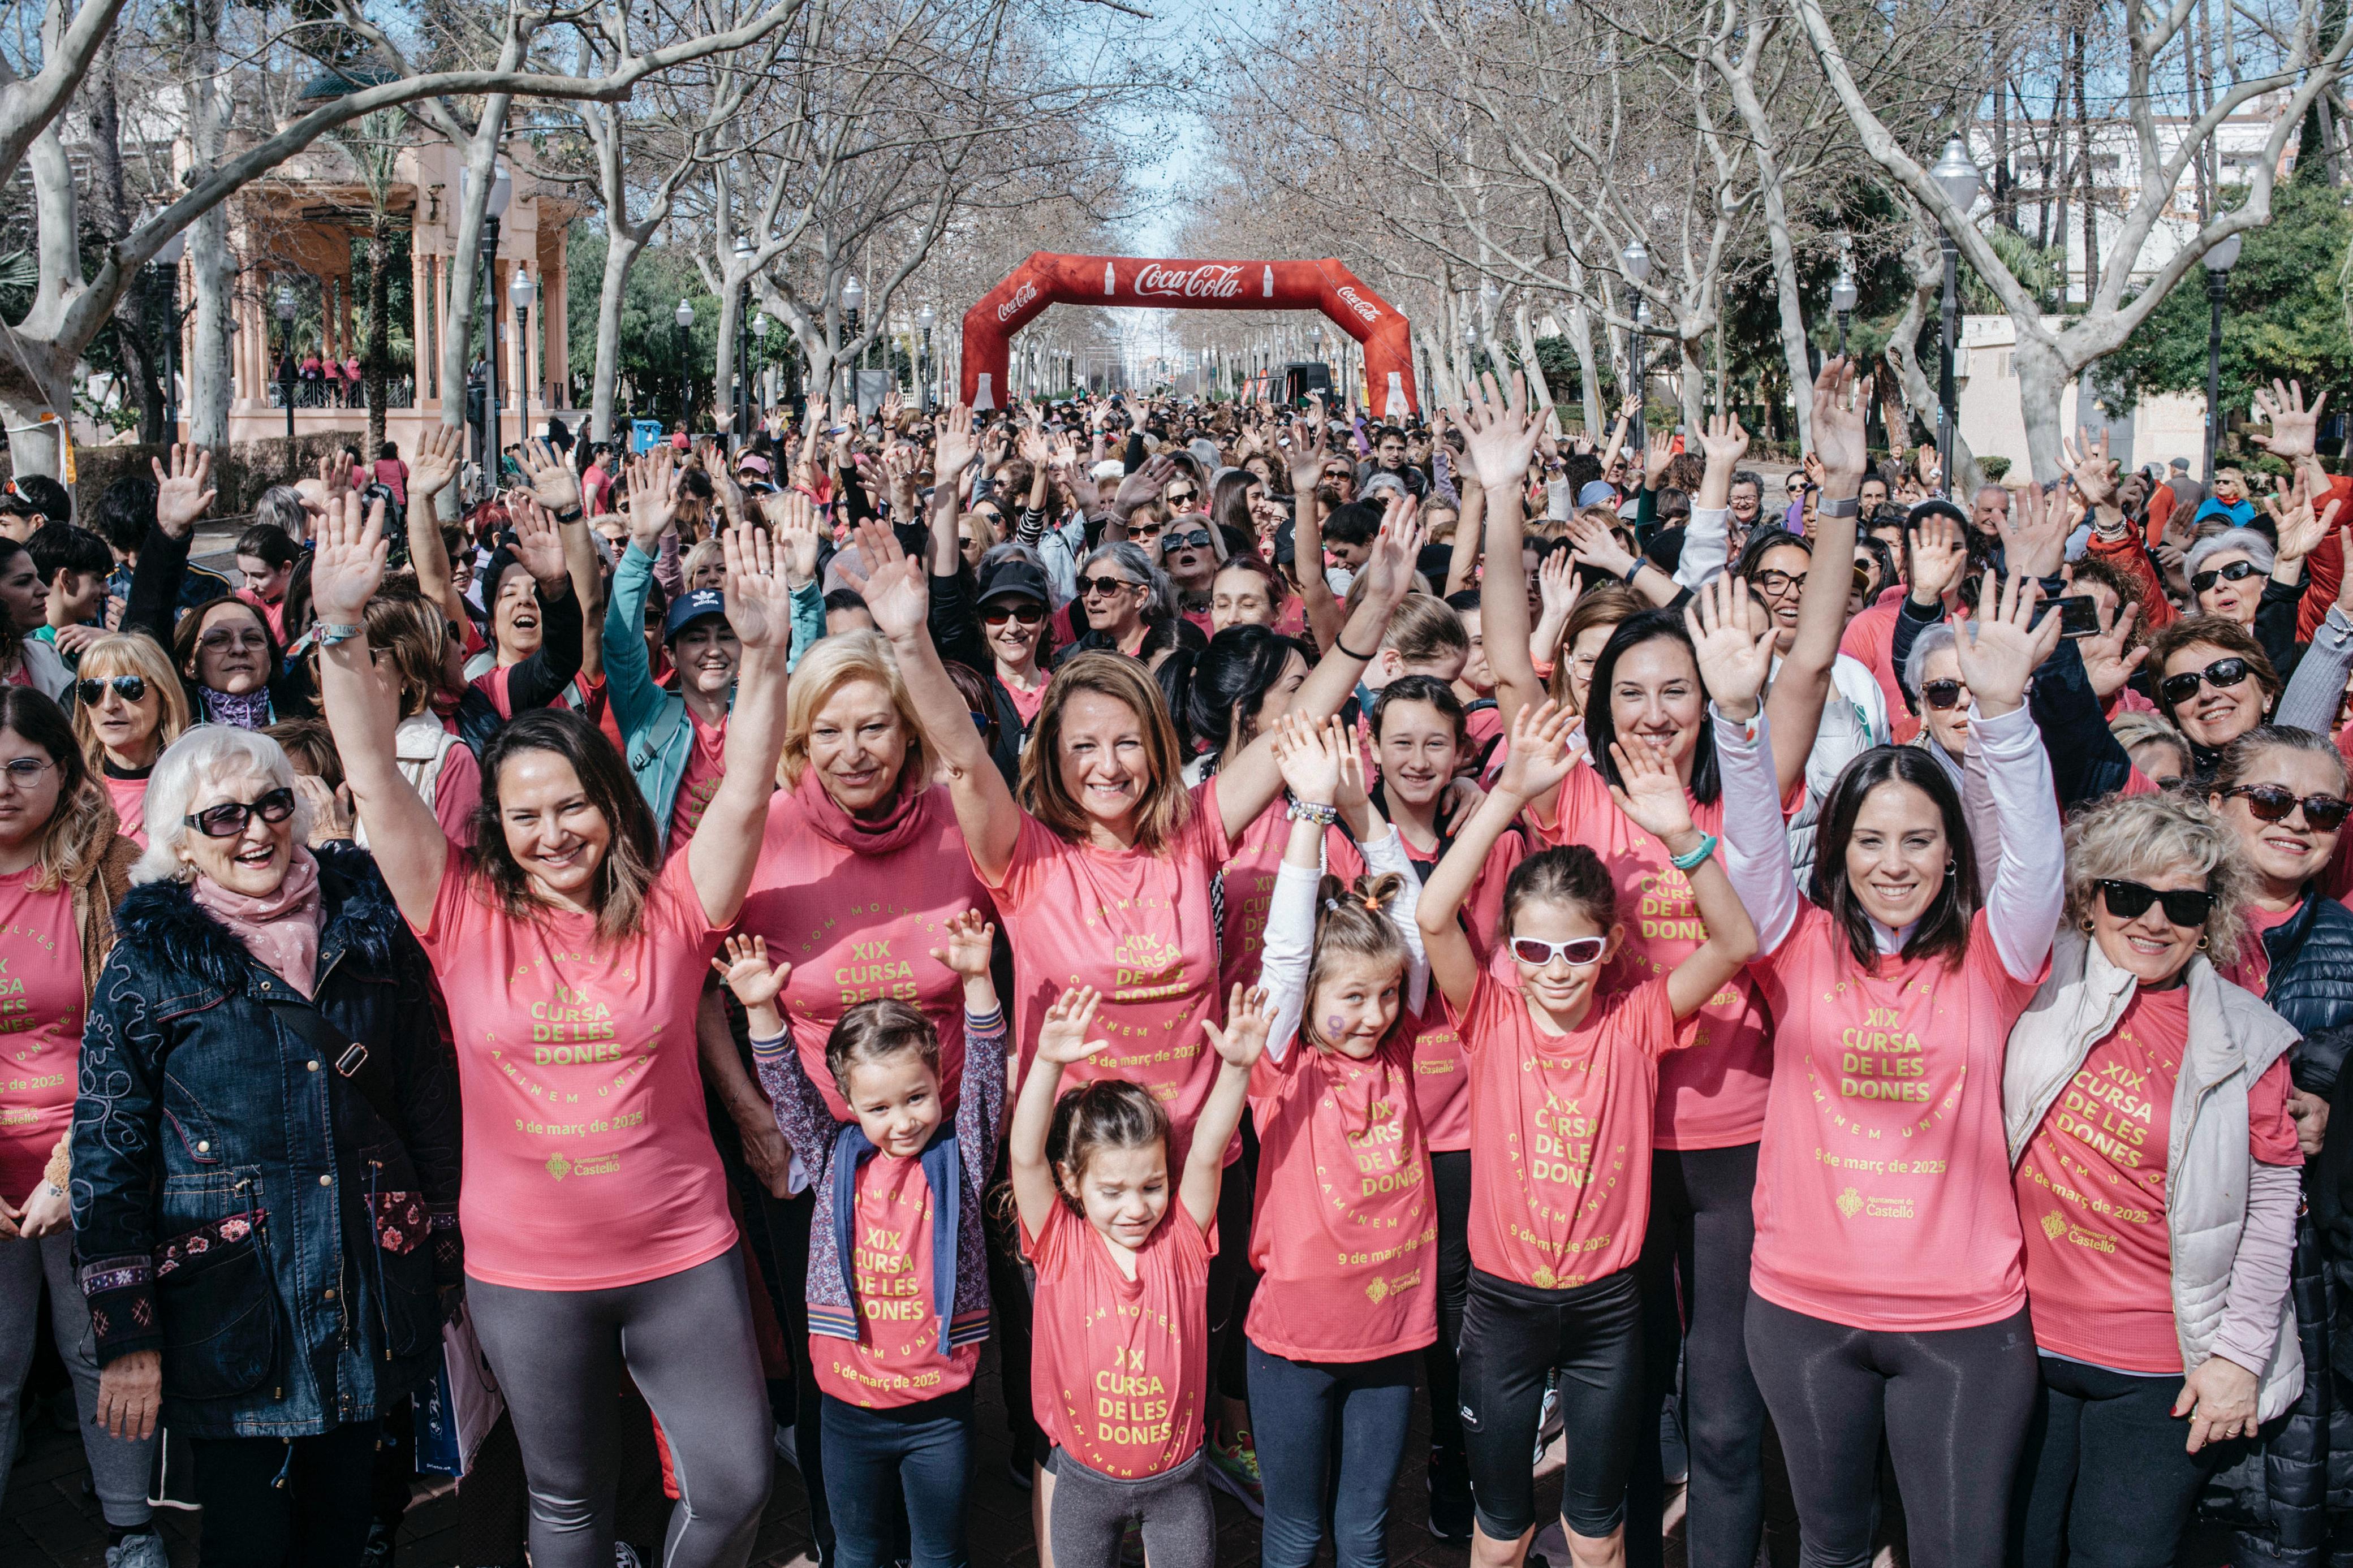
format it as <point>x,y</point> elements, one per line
<point>971,940</point>
<point>1310,765</point>
<point>743,962</point>
<point>1064,1037</point>
<point>1249,1016</point>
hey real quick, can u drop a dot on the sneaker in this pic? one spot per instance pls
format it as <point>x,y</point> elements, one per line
<point>1233,1470</point>
<point>625,1556</point>
<point>145,1550</point>
<point>378,1552</point>
<point>1450,1516</point>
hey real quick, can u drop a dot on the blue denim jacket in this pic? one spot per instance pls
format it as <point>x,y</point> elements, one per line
<point>238,1203</point>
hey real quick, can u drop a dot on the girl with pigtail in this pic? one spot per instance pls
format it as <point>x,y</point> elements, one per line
<point>1345,1225</point>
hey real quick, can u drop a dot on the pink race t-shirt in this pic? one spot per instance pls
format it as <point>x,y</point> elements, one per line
<point>41,1005</point>
<point>1345,1230</point>
<point>1560,1193</point>
<point>1441,1077</point>
<point>706,760</point>
<point>1882,1196</point>
<point>1137,927</point>
<point>1119,1368</point>
<point>128,798</point>
<point>857,925</point>
<point>2252,970</point>
<point>588,1153</point>
<point>1712,1093</point>
<point>895,1359</point>
<point>2091,1190</point>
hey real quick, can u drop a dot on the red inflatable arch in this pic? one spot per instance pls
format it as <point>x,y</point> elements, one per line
<point>1049,279</point>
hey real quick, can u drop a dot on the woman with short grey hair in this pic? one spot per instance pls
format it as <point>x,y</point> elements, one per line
<point>1124,597</point>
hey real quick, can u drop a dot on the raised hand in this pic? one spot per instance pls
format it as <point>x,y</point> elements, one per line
<point>1353,797</point>
<point>2090,467</point>
<point>1540,755</point>
<point>1499,431</point>
<point>538,543</point>
<point>1387,572</point>
<point>1840,403</point>
<point>433,463</point>
<point>1145,483</point>
<point>956,448</point>
<point>332,815</point>
<point>2038,529</point>
<point>1658,451</point>
<point>2295,428</point>
<point>896,593</point>
<point>1309,442</point>
<point>1649,790</point>
<point>553,482</point>
<point>347,562</point>
<point>1033,446</point>
<point>183,492</point>
<point>2300,530</point>
<point>1249,1014</point>
<point>1310,763</point>
<point>792,517</point>
<point>1940,553</point>
<point>653,497</point>
<point>971,941</point>
<point>742,963</point>
<point>898,466</point>
<point>1732,640</point>
<point>2109,658</point>
<point>1595,544</point>
<point>1062,1036</point>
<point>759,605</point>
<point>2000,645</point>
<point>1724,440</point>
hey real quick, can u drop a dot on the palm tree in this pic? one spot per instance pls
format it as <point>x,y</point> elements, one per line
<point>373,143</point>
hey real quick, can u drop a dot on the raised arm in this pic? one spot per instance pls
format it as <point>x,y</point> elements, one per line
<point>1062,1040</point>
<point>556,488</point>
<point>954,452</point>
<point>1732,640</point>
<point>1998,649</point>
<point>2318,686</point>
<point>1539,757</point>
<point>759,606</point>
<point>1310,439</point>
<point>1652,797</point>
<point>431,466</point>
<point>1498,437</point>
<point>362,707</point>
<point>1239,1046</point>
<point>184,494</point>
<point>1802,684</point>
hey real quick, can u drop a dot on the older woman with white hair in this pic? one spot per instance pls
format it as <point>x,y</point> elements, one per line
<point>2240,574</point>
<point>2157,1172</point>
<point>264,1156</point>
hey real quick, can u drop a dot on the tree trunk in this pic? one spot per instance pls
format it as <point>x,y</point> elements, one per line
<point>481,160</point>
<point>211,266</point>
<point>2041,385</point>
<point>1581,342</point>
<point>379,331</point>
<point>621,251</point>
<point>1691,384</point>
<point>1793,315</point>
<point>1927,264</point>
<point>2091,179</point>
<point>109,215</point>
<point>1527,334</point>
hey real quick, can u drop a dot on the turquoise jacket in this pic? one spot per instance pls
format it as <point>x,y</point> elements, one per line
<point>657,736</point>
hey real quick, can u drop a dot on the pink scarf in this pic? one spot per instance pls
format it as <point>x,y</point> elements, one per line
<point>280,929</point>
<point>893,830</point>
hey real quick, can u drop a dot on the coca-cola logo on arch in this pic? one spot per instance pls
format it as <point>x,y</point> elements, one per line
<point>1365,310</point>
<point>1021,296</point>
<point>1206,281</point>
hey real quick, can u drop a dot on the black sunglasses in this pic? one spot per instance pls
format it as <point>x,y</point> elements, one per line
<point>227,819</point>
<point>2187,906</point>
<point>130,688</point>
<point>1197,538</point>
<point>1174,494</point>
<point>997,614</point>
<point>1089,586</point>
<point>2272,803</point>
<point>2222,673</point>
<point>1941,694</point>
<point>2236,572</point>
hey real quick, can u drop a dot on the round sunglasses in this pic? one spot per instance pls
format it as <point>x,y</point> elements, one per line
<point>130,688</point>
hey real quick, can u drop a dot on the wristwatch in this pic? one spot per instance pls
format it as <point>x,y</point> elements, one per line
<point>572,516</point>
<point>1849,506</point>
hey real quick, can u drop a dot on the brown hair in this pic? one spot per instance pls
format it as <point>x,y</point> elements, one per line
<point>408,636</point>
<point>1109,1113</point>
<point>1605,605</point>
<point>2214,631</point>
<point>626,876</point>
<point>1567,874</point>
<point>81,828</point>
<point>1423,629</point>
<point>1352,921</point>
<point>186,637</point>
<point>310,745</point>
<point>1164,806</point>
<point>875,1031</point>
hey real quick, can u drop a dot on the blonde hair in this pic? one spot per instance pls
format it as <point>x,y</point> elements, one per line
<point>1351,923</point>
<point>2131,837</point>
<point>984,533</point>
<point>695,560</point>
<point>831,664</point>
<point>1161,808</point>
<point>131,653</point>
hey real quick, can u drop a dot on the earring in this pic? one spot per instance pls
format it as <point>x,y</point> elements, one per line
<point>1948,867</point>
<point>2202,944</point>
<point>2087,925</point>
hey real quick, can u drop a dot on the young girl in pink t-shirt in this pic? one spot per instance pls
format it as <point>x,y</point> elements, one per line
<point>1564,1079</point>
<point>1889,1289</point>
<point>1119,1363</point>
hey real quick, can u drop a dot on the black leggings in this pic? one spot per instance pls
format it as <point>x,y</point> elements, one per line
<point>2107,1480</point>
<point>318,1517</point>
<point>1695,1279</point>
<point>1953,1403</point>
<point>1230,1287</point>
<point>1513,1337</point>
<point>1450,1185</point>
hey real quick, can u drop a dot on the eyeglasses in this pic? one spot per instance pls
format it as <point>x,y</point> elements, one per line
<point>2236,572</point>
<point>21,772</point>
<point>2222,673</point>
<point>1089,586</point>
<point>227,819</point>
<point>1178,496</point>
<point>1776,583</point>
<point>2187,907</point>
<point>239,641</point>
<point>2272,803</point>
<point>130,688</point>
<point>1580,951</point>
<point>1194,539</point>
<point>997,614</point>
<point>1942,694</point>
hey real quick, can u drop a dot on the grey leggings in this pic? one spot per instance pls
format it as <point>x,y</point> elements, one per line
<point>1092,1511</point>
<point>119,1469</point>
<point>686,1339</point>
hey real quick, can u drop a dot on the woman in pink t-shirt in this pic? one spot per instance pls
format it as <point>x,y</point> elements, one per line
<point>1888,1289</point>
<point>131,707</point>
<point>2157,1176</point>
<point>1104,870</point>
<point>572,958</point>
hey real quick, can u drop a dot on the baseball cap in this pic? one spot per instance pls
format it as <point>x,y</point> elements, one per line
<point>689,608</point>
<point>1016,580</point>
<point>753,461</point>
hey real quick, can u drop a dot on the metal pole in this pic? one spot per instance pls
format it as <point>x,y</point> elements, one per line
<point>1634,352</point>
<point>286,378</point>
<point>1946,411</point>
<point>491,360</point>
<point>2217,285</point>
<point>1842,321</point>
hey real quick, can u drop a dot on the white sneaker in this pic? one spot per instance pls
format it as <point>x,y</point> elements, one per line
<point>626,1556</point>
<point>142,1551</point>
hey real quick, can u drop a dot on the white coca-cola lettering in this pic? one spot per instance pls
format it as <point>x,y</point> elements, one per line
<point>1206,281</point>
<point>1021,296</point>
<point>1364,309</point>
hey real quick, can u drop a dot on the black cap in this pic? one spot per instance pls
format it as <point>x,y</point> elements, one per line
<point>1016,580</point>
<point>1287,546</point>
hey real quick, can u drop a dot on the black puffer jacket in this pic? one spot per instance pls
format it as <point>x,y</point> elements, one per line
<point>2291,1492</point>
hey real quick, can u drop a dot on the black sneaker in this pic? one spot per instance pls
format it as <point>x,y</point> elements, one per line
<point>1450,1516</point>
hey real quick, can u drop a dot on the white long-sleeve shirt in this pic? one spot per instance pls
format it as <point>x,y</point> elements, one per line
<point>1290,936</point>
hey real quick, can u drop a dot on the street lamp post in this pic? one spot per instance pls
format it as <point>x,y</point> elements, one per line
<point>741,402</point>
<point>1635,261</point>
<point>1842,298</point>
<point>760,369</point>
<point>925,320</point>
<point>166,269</point>
<point>519,295</point>
<point>2218,262</point>
<point>286,361</point>
<point>1958,179</point>
<point>853,298</point>
<point>502,192</point>
<point>684,317</point>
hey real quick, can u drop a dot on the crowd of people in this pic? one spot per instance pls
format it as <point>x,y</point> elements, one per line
<point>1254,914</point>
